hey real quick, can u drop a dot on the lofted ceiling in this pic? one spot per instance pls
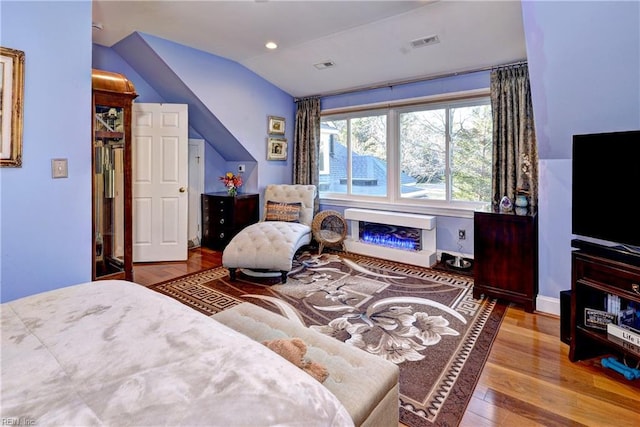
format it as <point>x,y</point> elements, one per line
<point>369,42</point>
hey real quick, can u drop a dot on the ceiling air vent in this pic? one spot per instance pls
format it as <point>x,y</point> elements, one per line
<point>324,64</point>
<point>424,41</point>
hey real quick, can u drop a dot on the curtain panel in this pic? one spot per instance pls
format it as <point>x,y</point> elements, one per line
<point>306,143</point>
<point>515,151</point>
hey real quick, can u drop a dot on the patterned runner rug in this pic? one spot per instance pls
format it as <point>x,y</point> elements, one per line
<point>425,321</point>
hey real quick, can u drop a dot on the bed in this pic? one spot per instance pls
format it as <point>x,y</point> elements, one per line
<point>116,353</point>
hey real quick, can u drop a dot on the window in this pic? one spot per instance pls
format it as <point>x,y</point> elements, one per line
<point>354,153</point>
<point>442,153</point>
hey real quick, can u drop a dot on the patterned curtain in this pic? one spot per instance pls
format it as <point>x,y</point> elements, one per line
<point>306,143</point>
<point>515,150</point>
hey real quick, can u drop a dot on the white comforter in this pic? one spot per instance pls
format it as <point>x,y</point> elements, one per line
<point>115,353</point>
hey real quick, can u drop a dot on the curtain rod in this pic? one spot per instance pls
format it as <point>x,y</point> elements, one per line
<point>416,80</point>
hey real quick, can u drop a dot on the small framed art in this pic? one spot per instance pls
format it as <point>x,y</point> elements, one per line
<point>276,149</point>
<point>276,125</point>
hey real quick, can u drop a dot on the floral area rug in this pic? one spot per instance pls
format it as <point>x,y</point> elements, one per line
<point>425,321</point>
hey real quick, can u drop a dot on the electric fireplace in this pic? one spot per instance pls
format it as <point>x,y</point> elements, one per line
<point>401,237</point>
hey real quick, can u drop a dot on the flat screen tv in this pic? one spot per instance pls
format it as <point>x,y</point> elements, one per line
<point>606,188</point>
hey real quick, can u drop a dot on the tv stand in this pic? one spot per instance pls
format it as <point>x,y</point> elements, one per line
<point>597,272</point>
<point>620,253</point>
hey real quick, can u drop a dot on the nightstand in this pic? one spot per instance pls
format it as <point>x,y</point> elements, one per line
<point>223,217</point>
<point>506,256</point>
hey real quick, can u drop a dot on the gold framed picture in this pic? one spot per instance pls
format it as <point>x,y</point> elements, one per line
<point>11,108</point>
<point>276,149</point>
<point>276,125</point>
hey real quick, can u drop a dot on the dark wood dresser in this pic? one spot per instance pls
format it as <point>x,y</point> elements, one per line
<point>223,216</point>
<point>506,256</point>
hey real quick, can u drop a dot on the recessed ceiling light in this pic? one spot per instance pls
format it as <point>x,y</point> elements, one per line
<point>271,45</point>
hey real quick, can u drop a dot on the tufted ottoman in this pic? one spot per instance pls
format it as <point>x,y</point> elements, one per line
<point>367,385</point>
<point>272,243</point>
<point>267,245</point>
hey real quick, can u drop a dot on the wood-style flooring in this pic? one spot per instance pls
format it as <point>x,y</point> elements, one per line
<point>528,379</point>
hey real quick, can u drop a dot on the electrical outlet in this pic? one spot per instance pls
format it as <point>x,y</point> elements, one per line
<point>241,168</point>
<point>462,234</point>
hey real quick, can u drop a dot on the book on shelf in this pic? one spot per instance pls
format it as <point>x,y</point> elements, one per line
<point>631,315</point>
<point>625,333</point>
<point>612,303</point>
<point>632,348</point>
<point>624,311</point>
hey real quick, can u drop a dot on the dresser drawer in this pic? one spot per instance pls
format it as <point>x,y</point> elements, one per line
<point>222,208</point>
<point>623,278</point>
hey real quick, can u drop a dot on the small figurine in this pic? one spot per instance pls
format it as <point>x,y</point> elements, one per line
<point>506,205</point>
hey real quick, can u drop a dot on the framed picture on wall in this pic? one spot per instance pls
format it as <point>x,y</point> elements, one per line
<point>276,125</point>
<point>11,94</point>
<point>277,149</point>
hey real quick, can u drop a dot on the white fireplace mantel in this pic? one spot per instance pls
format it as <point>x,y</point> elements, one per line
<point>425,257</point>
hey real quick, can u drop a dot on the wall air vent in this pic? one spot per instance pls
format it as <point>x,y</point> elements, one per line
<point>324,64</point>
<point>424,41</point>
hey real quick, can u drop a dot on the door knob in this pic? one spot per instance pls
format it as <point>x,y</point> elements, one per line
<point>182,189</point>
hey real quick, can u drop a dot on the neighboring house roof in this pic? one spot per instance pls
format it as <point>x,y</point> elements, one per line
<point>369,173</point>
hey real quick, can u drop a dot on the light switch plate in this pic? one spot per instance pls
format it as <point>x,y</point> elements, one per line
<point>59,168</point>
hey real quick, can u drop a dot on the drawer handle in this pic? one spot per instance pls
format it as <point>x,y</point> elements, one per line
<point>636,288</point>
<point>221,220</point>
<point>222,235</point>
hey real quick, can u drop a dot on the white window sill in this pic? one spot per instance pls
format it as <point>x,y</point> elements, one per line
<point>452,209</point>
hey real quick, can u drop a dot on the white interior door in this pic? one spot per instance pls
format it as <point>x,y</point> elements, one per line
<point>160,169</point>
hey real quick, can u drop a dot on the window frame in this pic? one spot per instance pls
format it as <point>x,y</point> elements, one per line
<point>394,199</point>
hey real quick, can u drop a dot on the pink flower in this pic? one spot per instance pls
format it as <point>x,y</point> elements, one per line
<point>231,180</point>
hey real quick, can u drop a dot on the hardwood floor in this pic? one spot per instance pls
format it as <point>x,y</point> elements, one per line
<point>150,273</point>
<point>528,379</point>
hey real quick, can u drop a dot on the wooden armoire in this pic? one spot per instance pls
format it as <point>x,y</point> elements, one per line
<point>111,110</point>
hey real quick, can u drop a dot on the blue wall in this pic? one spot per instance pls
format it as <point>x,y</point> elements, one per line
<point>584,65</point>
<point>464,82</point>
<point>46,223</point>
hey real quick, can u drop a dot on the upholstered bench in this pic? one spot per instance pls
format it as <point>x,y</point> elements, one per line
<point>367,385</point>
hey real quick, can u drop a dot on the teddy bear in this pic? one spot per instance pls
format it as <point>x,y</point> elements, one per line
<point>294,350</point>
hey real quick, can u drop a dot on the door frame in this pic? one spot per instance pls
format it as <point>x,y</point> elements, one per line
<point>196,188</point>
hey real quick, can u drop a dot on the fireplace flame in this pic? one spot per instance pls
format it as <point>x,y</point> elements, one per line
<point>389,240</point>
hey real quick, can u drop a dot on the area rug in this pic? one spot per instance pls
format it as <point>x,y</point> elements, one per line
<point>425,321</point>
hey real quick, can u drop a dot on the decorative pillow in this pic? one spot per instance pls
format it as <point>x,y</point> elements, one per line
<point>280,211</point>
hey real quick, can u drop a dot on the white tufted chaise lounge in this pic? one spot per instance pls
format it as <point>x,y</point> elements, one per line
<point>271,245</point>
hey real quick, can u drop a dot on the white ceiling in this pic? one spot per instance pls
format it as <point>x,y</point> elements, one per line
<point>369,41</point>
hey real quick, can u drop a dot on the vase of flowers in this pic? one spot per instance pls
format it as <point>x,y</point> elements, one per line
<point>232,182</point>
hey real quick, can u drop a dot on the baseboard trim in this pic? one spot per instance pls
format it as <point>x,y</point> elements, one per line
<point>548,305</point>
